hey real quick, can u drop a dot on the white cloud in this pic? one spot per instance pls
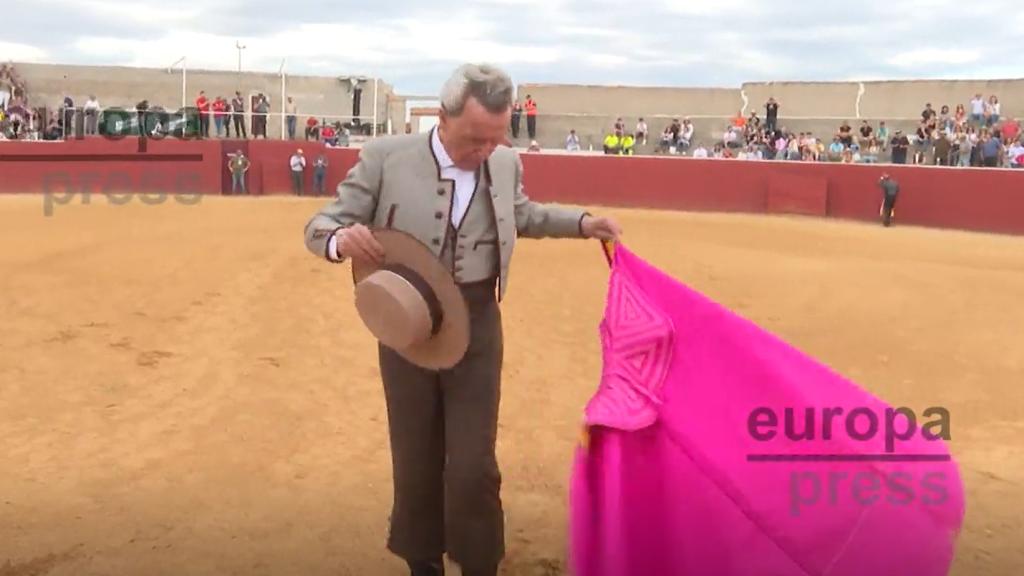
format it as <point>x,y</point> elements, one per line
<point>21,52</point>
<point>650,42</point>
<point>933,56</point>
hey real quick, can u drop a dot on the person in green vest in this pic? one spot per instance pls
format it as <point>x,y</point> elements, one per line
<point>628,142</point>
<point>613,143</point>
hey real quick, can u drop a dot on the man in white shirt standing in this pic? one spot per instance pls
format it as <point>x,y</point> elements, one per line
<point>92,114</point>
<point>298,166</point>
<point>978,110</point>
<point>700,151</point>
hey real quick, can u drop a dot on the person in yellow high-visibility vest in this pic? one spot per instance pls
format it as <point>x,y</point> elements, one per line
<point>613,143</point>
<point>627,145</point>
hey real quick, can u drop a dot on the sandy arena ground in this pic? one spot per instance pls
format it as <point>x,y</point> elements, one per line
<point>187,391</point>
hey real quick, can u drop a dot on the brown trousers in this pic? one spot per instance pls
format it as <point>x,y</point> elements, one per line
<point>443,426</point>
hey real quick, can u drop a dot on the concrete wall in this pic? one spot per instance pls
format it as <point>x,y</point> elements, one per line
<point>125,86</point>
<point>592,110</point>
<point>817,107</point>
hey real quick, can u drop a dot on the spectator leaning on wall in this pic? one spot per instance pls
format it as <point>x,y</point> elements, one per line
<point>890,190</point>
<point>238,165</point>
<point>298,165</point>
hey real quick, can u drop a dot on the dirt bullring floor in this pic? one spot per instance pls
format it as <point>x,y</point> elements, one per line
<point>187,391</point>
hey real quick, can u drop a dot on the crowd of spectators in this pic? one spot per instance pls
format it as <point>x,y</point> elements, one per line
<point>980,137</point>
<point>212,118</point>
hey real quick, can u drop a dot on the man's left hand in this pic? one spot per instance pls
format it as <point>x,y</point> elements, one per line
<point>600,227</point>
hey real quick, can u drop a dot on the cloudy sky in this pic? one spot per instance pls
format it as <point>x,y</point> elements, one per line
<point>413,44</point>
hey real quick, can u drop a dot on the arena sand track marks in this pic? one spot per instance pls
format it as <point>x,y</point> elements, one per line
<point>187,390</point>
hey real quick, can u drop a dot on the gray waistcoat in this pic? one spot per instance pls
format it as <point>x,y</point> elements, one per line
<point>471,250</point>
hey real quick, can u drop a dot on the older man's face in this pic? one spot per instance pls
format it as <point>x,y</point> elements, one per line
<point>471,137</point>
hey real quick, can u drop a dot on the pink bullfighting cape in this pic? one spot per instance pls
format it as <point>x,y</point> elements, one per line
<point>716,449</point>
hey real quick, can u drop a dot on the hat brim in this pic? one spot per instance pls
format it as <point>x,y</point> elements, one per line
<point>446,348</point>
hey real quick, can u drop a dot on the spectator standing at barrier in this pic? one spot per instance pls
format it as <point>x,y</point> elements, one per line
<point>922,142</point>
<point>899,144</point>
<point>977,110</point>
<point>319,173</point>
<point>959,116</point>
<point>312,129</point>
<point>1010,130</point>
<point>531,117</point>
<point>942,149</point>
<point>1016,154</point>
<point>238,165</point>
<point>259,119</point>
<point>992,111</point>
<point>220,107</point>
<point>292,117</point>
<point>238,115</point>
<point>517,114</point>
<point>771,116</point>
<point>92,115</point>
<point>946,122</point>
<point>203,105</point>
<point>298,165</point>
<point>890,190</point>
<point>991,150</point>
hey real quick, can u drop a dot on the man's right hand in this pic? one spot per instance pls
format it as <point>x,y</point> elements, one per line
<point>358,243</point>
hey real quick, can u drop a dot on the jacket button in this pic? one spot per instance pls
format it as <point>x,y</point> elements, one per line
<point>441,191</point>
<point>458,257</point>
<point>436,241</point>
<point>438,215</point>
<point>503,242</point>
<point>458,268</point>
<point>501,219</point>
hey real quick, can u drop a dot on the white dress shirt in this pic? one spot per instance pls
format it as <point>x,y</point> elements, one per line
<point>465,186</point>
<point>465,180</point>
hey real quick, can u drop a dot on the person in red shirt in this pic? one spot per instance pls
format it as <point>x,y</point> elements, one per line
<point>203,104</point>
<point>531,117</point>
<point>327,135</point>
<point>220,107</point>
<point>1010,130</point>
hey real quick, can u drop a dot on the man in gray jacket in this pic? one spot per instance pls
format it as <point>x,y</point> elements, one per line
<point>458,189</point>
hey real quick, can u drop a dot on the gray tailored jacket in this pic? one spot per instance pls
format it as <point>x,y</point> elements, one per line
<point>397,183</point>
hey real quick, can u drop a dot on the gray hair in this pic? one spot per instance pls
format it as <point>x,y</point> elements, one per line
<point>489,85</point>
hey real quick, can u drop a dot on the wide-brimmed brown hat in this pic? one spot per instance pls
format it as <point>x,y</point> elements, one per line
<point>411,303</point>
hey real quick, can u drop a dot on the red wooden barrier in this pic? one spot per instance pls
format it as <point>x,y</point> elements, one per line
<point>965,198</point>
